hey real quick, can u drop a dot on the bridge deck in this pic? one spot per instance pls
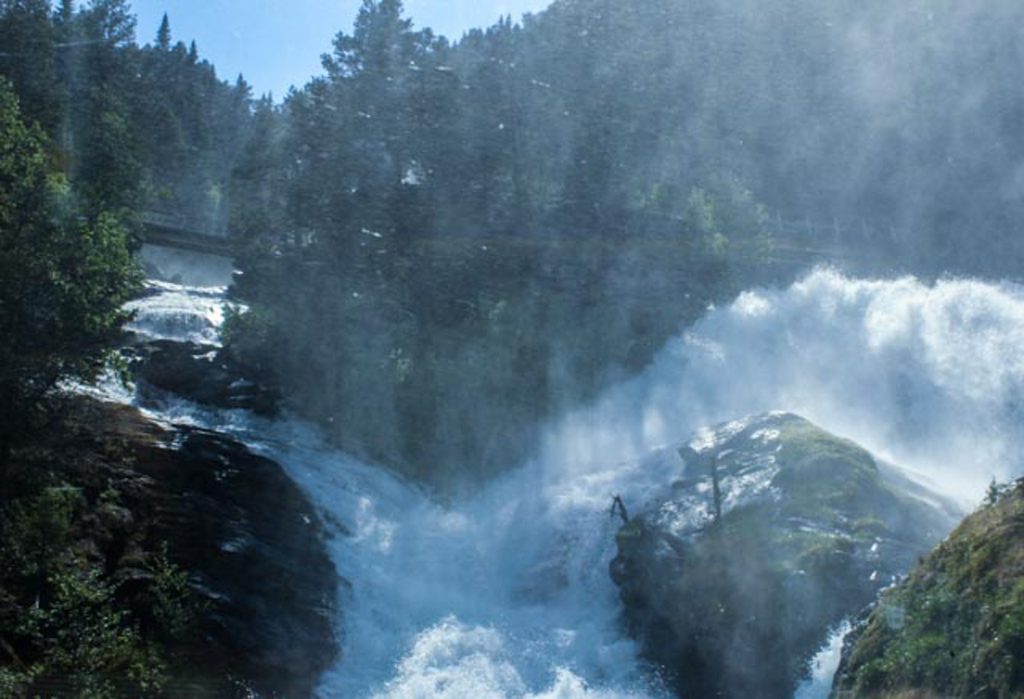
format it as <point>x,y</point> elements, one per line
<point>164,231</point>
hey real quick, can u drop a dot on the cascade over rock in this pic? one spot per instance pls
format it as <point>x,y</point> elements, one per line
<point>776,532</point>
<point>201,373</point>
<point>255,546</point>
<point>509,593</point>
<point>249,536</point>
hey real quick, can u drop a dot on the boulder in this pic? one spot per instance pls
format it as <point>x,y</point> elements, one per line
<point>955,625</point>
<point>251,542</point>
<point>774,532</point>
<point>200,373</point>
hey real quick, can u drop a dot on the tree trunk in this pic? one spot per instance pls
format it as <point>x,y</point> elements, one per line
<point>716,491</point>
<point>6,447</point>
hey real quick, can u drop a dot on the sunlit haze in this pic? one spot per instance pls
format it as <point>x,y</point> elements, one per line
<point>519,349</point>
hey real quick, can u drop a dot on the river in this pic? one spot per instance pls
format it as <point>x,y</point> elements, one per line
<point>507,593</point>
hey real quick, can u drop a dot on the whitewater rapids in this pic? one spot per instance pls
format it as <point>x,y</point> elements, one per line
<point>508,594</point>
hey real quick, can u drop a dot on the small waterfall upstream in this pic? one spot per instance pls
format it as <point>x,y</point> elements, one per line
<point>507,594</point>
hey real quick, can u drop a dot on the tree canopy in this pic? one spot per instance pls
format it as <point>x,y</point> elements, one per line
<point>65,278</point>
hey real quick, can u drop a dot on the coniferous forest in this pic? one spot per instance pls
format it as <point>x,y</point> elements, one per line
<point>444,245</point>
<point>627,165</point>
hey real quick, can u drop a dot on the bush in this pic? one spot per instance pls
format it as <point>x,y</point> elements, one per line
<point>91,647</point>
<point>66,629</point>
<point>37,533</point>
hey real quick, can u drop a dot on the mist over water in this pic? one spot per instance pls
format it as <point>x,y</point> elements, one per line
<point>440,241</point>
<point>507,593</point>
<point>928,376</point>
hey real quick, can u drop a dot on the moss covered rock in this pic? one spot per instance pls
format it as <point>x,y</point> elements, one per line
<point>955,626</point>
<point>774,533</point>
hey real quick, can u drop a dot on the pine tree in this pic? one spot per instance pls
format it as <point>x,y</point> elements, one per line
<point>111,21</point>
<point>105,169</point>
<point>255,180</point>
<point>993,493</point>
<point>66,11</point>
<point>28,59</point>
<point>163,34</point>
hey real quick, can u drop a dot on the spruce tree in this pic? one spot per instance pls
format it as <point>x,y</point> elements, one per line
<point>28,59</point>
<point>66,11</point>
<point>163,34</point>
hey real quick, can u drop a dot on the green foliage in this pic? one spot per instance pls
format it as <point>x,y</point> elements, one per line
<point>455,227</point>
<point>163,34</point>
<point>37,534</point>
<point>959,630</point>
<point>63,614</point>
<point>29,59</point>
<point>14,683</point>
<point>131,128</point>
<point>173,606</point>
<point>408,193</point>
<point>65,279</point>
<point>65,626</point>
<point>90,645</point>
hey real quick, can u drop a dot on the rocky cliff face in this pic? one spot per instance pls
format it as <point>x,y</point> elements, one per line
<point>955,626</point>
<point>251,543</point>
<point>254,546</point>
<point>201,373</point>
<point>774,533</point>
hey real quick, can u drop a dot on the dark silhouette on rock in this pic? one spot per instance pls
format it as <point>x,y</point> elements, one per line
<point>619,508</point>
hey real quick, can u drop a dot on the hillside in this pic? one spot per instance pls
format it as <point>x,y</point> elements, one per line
<point>955,626</point>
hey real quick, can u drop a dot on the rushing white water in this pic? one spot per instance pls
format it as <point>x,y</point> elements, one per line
<point>176,312</point>
<point>824,665</point>
<point>928,376</point>
<point>508,595</point>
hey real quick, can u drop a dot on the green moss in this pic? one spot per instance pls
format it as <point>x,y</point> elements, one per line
<point>772,576</point>
<point>960,629</point>
<point>824,474</point>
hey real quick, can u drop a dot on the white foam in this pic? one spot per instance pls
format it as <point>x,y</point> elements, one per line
<point>508,594</point>
<point>175,312</point>
<point>928,376</point>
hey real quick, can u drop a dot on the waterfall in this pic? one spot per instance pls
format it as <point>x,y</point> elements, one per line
<point>507,593</point>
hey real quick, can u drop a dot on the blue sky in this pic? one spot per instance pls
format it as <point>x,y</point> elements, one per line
<point>278,43</point>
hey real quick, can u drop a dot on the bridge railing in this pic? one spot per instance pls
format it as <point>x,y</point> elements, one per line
<point>177,222</point>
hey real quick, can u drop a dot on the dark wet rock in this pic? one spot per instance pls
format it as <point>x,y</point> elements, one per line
<point>201,373</point>
<point>732,594</point>
<point>955,626</point>
<point>251,542</point>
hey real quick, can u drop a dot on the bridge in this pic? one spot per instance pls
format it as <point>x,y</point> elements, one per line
<point>173,232</point>
<point>794,243</point>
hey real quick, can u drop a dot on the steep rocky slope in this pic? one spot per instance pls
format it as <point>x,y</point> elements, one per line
<point>774,532</point>
<point>955,626</point>
<point>137,496</point>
